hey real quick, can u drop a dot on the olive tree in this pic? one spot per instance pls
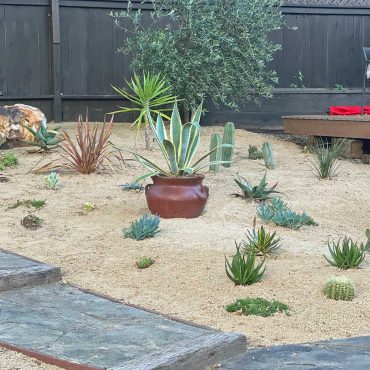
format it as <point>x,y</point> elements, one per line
<point>215,48</point>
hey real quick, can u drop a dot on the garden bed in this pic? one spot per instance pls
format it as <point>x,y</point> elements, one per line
<point>188,278</point>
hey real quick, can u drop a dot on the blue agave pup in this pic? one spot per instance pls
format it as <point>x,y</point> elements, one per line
<point>177,190</point>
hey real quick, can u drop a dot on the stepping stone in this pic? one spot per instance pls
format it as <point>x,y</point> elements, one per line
<point>17,271</point>
<point>349,353</point>
<point>63,325</point>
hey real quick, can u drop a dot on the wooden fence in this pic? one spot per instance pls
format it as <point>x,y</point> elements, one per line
<point>61,55</point>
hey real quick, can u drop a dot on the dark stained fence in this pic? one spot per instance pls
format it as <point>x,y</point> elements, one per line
<point>76,70</point>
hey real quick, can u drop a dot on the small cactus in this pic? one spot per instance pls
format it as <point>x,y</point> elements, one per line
<point>367,245</point>
<point>254,153</point>
<point>228,138</point>
<point>268,156</point>
<point>339,288</point>
<point>216,155</point>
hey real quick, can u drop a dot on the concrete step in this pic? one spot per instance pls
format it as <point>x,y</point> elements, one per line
<point>66,326</point>
<point>17,271</point>
<point>339,354</point>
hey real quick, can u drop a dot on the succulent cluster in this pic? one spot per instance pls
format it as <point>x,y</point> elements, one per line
<point>144,262</point>
<point>346,253</point>
<point>29,203</point>
<point>146,227</point>
<point>280,214</point>
<point>132,186</point>
<point>258,307</point>
<point>339,288</point>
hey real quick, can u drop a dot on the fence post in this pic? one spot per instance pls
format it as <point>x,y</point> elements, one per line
<point>56,66</point>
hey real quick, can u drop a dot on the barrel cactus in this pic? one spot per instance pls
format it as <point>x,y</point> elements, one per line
<point>216,154</point>
<point>339,288</point>
<point>268,156</point>
<point>229,139</point>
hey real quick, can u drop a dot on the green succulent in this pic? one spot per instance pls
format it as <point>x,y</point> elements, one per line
<point>146,227</point>
<point>261,242</point>
<point>88,207</point>
<point>29,203</point>
<point>243,269</point>
<point>52,180</point>
<point>8,160</point>
<point>280,214</point>
<point>268,156</point>
<point>346,253</point>
<point>339,288</point>
<point>258,307</point>
<point>144,262</point>
<point>254,153</point>
<point>132,186</point>
<point>44,138</point>
<point>258,192</point>
<point>179,148</point>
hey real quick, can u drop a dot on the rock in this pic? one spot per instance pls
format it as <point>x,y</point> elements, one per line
<point>14,119</point>
<point>366,158</point>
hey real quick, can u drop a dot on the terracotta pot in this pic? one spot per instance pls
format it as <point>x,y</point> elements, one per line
<point>177,197</point>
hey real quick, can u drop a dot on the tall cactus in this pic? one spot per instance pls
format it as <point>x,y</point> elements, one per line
<point>217,154</point>
<point>228,138</point>
<point>268,156</point>
<point>339,288</point>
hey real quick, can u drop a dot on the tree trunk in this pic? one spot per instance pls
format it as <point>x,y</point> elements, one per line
<point>187,115</point>
<point>148,138</point>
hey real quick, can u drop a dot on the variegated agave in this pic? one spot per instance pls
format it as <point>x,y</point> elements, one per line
<point>178,148</point>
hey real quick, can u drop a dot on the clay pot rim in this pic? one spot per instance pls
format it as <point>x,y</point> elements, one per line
<point>190,177</point>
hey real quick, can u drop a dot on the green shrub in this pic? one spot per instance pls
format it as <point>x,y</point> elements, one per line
<point>218,48</point>
<point>258,192</point>
<point>144,262</point>
<point>146,227</point>
<point>32,222</point>
<point>268,156</point>
<point>254,153</point>
<point>339,288</point>
<point>258,307</point>
<point>52,180</point>
<point>326,158</point>
<point>8,160</point>
<point>132,186</point>
<point>261,242</point>
<point>228,140</point>
<point>346,253</point>
<point>243,269</point>
<point>35,203</point>
<point>280,214</point>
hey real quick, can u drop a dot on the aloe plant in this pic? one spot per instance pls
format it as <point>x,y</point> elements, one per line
<point>178,148</point>
<point>44,138</point>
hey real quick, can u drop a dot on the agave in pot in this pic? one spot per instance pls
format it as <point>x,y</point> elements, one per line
<point>177,190</point>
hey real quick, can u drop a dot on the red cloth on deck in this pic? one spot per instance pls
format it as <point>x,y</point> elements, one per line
<point>347,110</point>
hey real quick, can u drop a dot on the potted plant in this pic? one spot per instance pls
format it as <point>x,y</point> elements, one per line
<point>177,191</point>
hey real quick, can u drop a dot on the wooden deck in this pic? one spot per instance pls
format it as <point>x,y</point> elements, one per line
<point>354,127</point>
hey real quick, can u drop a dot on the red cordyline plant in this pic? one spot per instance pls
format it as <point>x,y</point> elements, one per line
<point>91,150</point>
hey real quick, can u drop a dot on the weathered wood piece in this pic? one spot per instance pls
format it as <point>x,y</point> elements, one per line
<point>355,127</point>
<point>16,272</point>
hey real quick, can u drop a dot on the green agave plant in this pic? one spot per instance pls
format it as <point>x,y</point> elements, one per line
<point>178,148</point>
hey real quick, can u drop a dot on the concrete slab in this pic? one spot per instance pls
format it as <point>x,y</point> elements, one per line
<point>17,271</point>
<point>58,321</point>
<point>351,353</point>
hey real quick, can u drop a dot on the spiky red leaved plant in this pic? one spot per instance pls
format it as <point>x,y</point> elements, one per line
<point>91,150</point>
